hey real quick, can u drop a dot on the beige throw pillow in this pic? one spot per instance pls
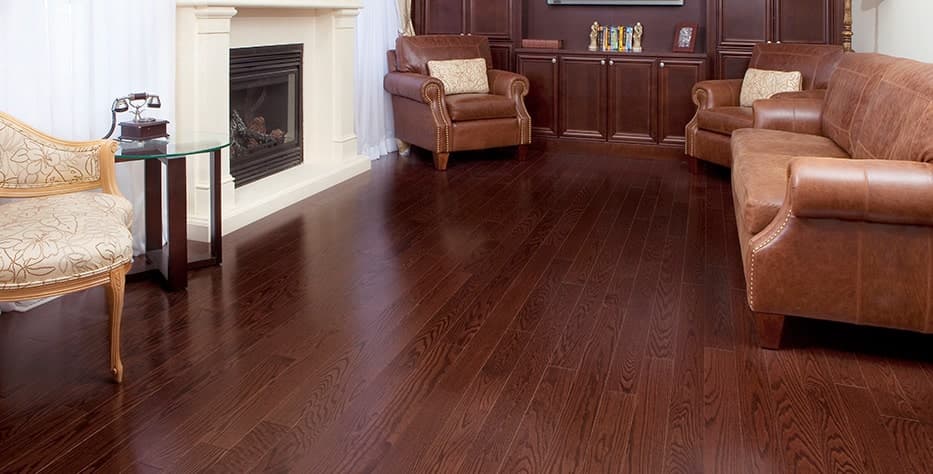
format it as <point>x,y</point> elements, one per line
<point>461,76</point>
<point>760,84</point>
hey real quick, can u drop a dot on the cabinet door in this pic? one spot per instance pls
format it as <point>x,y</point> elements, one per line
<point>501,55</point>
<point>444,17</point>
<point>676,78</point>
<point>632,98</point>
<point>803,21</point>
<point>492,18</point>
<point>743,22</point>
<point>732,64</point>
<point>542,99</point>
<point>583,97</point>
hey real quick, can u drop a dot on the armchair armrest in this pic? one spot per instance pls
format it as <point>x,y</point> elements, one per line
<point>718,93</point>
<point>417,87</point>
<point>880,191</point>
<point>789,115</point>
<point>507,83</point>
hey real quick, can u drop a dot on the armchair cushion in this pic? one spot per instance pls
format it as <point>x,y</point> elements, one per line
<point>64,237</point>
<point>760,84</point>
<point>759,179</point>
<point>464,107</point>
<point>461,76</point>
<point>724,120</point>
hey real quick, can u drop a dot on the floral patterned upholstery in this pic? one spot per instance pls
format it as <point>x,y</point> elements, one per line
<point>30,161</point>
<point>52,239</point>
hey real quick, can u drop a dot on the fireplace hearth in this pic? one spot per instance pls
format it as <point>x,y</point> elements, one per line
<point>265,111</point>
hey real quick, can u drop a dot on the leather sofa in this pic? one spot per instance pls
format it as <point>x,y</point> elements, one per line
<point>834,200</point>
<point>718,110</point>
<point>428,118</point>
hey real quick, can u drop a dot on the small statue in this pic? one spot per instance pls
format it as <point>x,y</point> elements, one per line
<point>636,37</point>
<point>594,34</point>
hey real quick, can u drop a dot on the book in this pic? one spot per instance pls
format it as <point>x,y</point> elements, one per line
<point>613,38</point>
<point>629,32</point>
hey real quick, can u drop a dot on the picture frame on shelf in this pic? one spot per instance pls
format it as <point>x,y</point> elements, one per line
<point>685,37</point>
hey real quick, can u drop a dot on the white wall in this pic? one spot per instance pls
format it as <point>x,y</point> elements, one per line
<point>895,27</point>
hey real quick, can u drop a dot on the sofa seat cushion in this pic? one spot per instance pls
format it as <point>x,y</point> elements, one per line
<point>466,107</point>
<point>725,120</point>
<point>759,171</point>
<point>54,239</point>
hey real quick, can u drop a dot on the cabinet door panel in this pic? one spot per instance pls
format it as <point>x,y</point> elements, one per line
<point>802,21</point>
<point>583,97</point>
<point>492,18</point>
<point>542,99</point>
<point>444,17</point>
<point>744,22</point>
<point>501,55</point>
<point>632,100</point>
<point>676,79</point>
<point>732,64</point>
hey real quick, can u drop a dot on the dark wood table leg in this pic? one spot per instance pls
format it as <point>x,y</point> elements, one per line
<point>177,251</point>
<point>216,218</point>
<point>153,205</point>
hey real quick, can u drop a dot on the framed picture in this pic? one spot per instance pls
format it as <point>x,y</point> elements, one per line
<point>685,37</point>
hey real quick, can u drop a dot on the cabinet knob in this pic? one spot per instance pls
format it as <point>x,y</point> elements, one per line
<point>603,62</point>
<point>778,42</point>
<point>661,65</point>
<point>769,41</point>
<point>461,34</point>
<point>611,62</point>
<point>471,34</point>
<point>553,60</point>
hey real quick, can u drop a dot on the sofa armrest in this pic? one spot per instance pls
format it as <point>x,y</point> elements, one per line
<point>417,87</point>
<point>807,94</point>
<point>507,83</point>
<point>789,115</point>
<point>880,191</point>
<point>718,93</point>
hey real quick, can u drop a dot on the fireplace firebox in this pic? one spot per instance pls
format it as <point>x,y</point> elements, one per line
<point>265,111</point>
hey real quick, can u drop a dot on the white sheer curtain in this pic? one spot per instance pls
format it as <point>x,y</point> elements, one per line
<point>64,61</point>
<point>376,31</point>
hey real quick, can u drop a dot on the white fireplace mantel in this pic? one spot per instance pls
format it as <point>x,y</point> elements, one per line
<point>205,32</point>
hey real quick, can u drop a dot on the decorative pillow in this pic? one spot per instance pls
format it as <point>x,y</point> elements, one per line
<point>760,84</point>
<point>461,76</point>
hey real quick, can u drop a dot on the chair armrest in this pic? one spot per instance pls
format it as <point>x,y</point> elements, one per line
<point>789,115</point>
<point>880,191</point>
<point>507,83</point>
<point>807,94</point>
<point>417,87</point>
<point>718,93</point>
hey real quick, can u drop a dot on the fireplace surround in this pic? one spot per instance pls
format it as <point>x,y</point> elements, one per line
<point>265,111</point>
<point>207,31</point>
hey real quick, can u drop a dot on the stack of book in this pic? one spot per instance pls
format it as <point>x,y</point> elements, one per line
<point>615,38</point>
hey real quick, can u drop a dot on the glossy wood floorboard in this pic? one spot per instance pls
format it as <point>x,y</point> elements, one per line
<point>569,313</point>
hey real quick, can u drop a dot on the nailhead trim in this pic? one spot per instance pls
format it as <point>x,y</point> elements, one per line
<point>751,278</point>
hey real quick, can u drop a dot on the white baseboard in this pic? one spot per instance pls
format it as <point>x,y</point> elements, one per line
<point>247,213</point>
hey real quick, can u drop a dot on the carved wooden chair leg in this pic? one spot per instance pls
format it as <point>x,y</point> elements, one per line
<point>115,291</point>
<point>522,152</point>
<point>440,161</point>
<point>770,330</point>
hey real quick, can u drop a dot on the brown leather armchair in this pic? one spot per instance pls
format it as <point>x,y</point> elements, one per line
<point>834,200</point>
<point>428,118</point>
<point>718,110</point>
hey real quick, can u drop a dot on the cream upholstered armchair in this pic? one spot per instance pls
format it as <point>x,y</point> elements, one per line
<point>58,235</point>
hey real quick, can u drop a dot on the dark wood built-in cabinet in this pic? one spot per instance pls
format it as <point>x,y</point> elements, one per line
<point>499,20</point>
<point>619,98</point>
<point>735,26</point>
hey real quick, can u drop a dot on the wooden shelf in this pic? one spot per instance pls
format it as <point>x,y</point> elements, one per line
<point>585,52</point>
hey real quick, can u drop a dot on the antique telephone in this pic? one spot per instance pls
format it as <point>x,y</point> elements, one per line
<point>140,128</point>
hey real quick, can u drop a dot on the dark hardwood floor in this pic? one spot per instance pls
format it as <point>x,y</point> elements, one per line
<point>563,314</point>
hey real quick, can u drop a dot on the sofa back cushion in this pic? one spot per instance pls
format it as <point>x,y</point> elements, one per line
<point>852,84</point>
<point>897,120</point>
<point>414,52</point>
<point>815,61</point>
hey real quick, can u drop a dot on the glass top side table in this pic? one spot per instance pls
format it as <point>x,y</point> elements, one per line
<point>171,260</point>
